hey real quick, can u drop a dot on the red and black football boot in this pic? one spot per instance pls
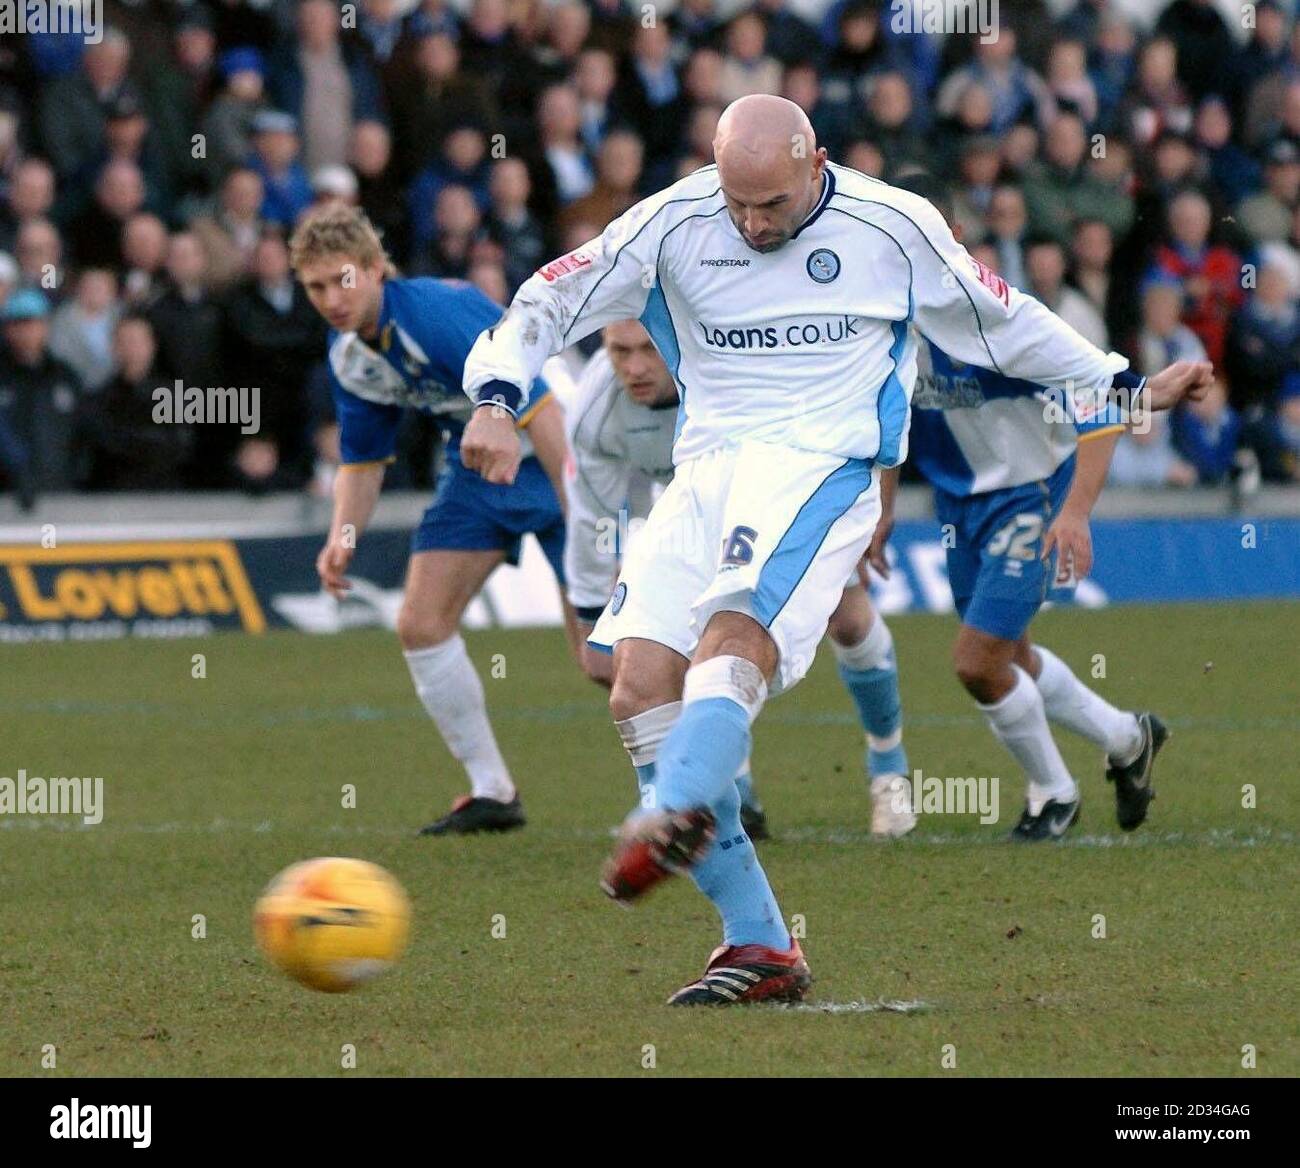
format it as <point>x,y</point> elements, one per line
<point>471,813</point>
<point>653,847</point>
<point>740,974</point>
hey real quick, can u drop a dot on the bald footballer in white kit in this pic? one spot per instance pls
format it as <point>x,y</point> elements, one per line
<point>621,424</point>
<point>779,288</point>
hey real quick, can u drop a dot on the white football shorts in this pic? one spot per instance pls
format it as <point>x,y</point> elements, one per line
<point>769,531</point>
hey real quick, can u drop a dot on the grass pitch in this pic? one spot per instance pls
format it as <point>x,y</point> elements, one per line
<point>213,785</point>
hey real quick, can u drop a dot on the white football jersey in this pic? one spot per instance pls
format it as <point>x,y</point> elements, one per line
<point>619,449</point>
<point>808,346</point>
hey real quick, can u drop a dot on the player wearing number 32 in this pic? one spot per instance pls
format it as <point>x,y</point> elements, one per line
<point>781,290</point>
<point>1015,481</point>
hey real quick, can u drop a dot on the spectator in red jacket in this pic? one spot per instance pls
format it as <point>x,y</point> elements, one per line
<point>1211,274</point>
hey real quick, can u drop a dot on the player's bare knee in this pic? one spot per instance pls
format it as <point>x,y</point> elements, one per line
<point>974,669</point>
<point>735,634</point>
<point>420,630</point>
<point>632,694</point>
<point>1027,657</point>
<point>848,627</point>
<point>852,619</point>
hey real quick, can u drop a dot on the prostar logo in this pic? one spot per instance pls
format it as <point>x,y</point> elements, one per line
<point>724,263</point>
<point>566,265</point>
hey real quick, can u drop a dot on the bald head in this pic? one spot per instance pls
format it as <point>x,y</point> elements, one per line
<point>764,129</point>
<point>769,167</point>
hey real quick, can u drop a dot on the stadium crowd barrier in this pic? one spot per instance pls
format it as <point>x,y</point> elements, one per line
<point>86,568</point>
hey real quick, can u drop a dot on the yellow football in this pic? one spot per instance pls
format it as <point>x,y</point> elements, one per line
<point>332,923</point>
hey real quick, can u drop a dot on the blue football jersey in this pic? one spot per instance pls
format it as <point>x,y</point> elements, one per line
<point>976,430</point>
<point>426,330</point>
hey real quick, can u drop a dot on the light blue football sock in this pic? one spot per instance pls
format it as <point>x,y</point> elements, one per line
<point>699,759</point>
<point>869,671</point>
<point>697,766</point>
<point>745,785</point>
<point>730,875</point>
<point>875,693</point>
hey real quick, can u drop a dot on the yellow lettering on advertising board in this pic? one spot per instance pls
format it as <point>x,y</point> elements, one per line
<point>160,579</point>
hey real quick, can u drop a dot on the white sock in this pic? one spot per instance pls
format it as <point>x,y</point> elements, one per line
<point>874,651</point>
<point>642,733</point>
<point>1072,704</point>
<point>451,692</point>
<point>1019,722</point>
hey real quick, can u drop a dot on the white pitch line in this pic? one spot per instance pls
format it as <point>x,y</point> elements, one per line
<point>859,1006</point>
<point>1217,837</point>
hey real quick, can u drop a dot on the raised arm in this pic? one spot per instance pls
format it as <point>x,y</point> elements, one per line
<point>975,316</point>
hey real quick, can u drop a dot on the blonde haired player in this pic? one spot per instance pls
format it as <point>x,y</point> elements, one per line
<point>394,345</point>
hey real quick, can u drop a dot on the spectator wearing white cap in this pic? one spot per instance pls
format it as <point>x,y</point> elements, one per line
<point>333,184</point>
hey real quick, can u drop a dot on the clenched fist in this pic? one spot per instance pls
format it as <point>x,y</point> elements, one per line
<point>1182,379</point>
<point>490,444</point>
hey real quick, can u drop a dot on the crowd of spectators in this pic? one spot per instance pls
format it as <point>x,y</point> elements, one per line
<point>1142,179</point>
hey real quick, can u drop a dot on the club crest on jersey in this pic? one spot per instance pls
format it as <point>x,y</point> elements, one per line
<point>566,265</point>
<point>823,265</point>
<point>616,601</point>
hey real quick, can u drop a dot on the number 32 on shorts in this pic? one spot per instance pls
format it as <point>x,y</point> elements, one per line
<point>1017,541</point>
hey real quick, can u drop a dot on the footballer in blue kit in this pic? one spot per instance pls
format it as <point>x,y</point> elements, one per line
<point>398,344</point>
<point>1015,477</point>
<point>998,577</point>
